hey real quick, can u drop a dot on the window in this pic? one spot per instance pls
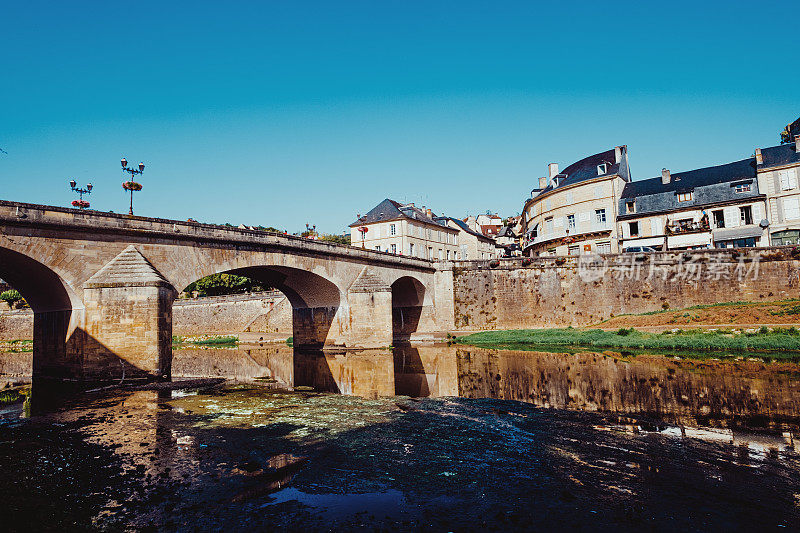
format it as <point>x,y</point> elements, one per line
<point>571,221</point>
<point>746,215</point>
<point>393,247</point>
<point>441,255</point>
<point>430,234</point>
<point>603,247</point>
<point>719,218</point>
<point>602,169</point>
<point>392,229</point>
<point>448,255</point>
<point>600,216</point>
<point>685,196</point>
<point>742,187</point>
<point>547,204</point>
<point>411,249</point>
<point>548,225</point>
<point>630,207</point>
<point>782,238</point>
<point>568,198</point>
<point>430,253</point>
<point>634,229</point>
<point>574,250</point>
<point>455,239</point>
<point>791,208</point>
<point>378,248</point>
<point>788,180</point>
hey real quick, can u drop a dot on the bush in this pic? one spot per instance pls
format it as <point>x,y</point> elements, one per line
<point>13,298</point>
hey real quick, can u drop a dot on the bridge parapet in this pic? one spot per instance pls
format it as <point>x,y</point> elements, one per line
<point>43,216</point>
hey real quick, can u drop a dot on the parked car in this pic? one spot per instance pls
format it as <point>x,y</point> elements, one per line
<point>638,250</point>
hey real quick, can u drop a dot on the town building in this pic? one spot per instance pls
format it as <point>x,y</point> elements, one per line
<point>472,245</point>
<point>778,177</point>
<point>714,207</point>
<point>575,211</point>
<point>405,229</point>
<point>489,224</point>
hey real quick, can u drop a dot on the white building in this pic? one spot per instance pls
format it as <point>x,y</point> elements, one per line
<point>405,229</point>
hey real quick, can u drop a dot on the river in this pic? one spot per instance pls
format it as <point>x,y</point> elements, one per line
<point>443,438</point>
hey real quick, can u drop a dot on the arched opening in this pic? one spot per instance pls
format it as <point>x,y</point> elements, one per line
<point>287,301</point>
<point>53,304</point>
<point>408,296</point>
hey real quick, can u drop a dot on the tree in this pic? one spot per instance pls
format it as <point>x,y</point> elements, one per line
<point>338,239</point>
<point>220,284</point>
<point>13,298</point>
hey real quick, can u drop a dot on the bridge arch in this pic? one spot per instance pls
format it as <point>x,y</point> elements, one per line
<point>314,299</point>
<point>56,313</point>
<point>408,300</point>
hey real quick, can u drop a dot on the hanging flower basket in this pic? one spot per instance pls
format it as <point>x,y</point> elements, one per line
<point>83,204</point>
<point>363,229</point>
<point>131,186</point>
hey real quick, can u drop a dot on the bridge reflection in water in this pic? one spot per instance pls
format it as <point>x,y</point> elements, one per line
<point>732,397</point>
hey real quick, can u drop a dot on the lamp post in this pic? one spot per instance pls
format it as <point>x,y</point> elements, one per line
<point>131,185</point>
<point>80,203</point>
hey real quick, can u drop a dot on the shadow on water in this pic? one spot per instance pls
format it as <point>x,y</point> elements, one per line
<point>576,440</point>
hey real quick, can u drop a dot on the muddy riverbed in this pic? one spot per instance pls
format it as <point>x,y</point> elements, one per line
<point>433,438</point>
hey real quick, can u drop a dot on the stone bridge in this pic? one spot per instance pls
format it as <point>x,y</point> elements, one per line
<point>102,285</point>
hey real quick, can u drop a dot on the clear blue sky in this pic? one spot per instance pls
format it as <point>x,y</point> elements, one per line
<point>283,113</point>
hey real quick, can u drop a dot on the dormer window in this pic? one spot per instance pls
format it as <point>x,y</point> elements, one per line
<point>602,169</point>
<point>630,207</point>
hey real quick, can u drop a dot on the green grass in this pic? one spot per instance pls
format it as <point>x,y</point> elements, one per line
<point>16,346</point>
<point>738,303</point>
<point>778,341</point>
<point>206,340</point>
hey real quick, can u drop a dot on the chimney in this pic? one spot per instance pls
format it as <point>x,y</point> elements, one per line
<point>429,213</point>
<point>666,177</point>
<point>552,170</point>
<point>759,157</point>
<point>542,183</point>
<point>797,143</point>
<point>618,153</point>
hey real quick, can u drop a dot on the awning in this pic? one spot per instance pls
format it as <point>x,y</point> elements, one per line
<point>730,234</point>
<point>649,241</point>
<point>689,239</point>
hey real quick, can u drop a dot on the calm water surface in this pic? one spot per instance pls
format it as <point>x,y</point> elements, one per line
<point>429,437</point>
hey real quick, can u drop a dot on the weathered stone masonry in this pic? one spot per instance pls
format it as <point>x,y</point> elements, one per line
<point>550,292</point>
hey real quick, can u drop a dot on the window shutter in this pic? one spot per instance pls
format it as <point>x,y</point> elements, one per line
<point>656,227</point>
<point>731,217</point>
<point>791,208</point>
<point>757,213</point>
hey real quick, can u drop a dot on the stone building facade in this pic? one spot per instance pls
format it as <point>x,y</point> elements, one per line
<point>574,211</point>
<point>714,207</point>
<point>405,229</point>
<point>779,178</point>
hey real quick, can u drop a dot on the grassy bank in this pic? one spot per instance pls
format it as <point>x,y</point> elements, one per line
<point>210,341</point>
<point>781,342</point>
<point>16,346</point>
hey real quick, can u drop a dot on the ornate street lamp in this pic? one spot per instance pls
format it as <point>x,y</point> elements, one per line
<point>131,185</point>
<point>363,230</point>
<point>80,203</point>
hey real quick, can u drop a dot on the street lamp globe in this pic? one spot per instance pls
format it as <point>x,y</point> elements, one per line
<point>124,162</point>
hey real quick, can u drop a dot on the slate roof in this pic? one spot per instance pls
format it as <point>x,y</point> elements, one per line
<point>586,169</point>
<point>776,156</point>
<point>506,231</point>
<point>738,170</point>
<point>391,210</point>
<point>463,225</point>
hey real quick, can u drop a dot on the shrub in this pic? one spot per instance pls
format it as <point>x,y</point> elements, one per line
<point>13,298</point>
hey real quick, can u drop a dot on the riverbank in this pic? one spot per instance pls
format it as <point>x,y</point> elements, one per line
<point>767,343</point>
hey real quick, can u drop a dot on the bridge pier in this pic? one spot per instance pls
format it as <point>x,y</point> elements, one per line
<point>128,320</point>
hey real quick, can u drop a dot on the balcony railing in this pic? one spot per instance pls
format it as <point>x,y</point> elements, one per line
<point>574,232</point>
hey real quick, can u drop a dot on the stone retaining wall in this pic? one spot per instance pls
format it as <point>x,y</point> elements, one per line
<point>578,291</point>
